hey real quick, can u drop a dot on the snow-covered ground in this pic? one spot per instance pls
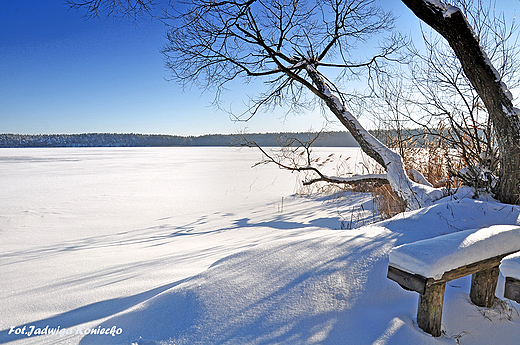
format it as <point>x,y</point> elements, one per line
<point>192,246</point>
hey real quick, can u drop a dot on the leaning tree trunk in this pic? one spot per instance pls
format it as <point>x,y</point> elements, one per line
<point>450,22</point>
<point>414,194</point>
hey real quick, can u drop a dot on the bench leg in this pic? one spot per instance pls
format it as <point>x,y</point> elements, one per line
<point>429,311</point>
<point>483,286</point>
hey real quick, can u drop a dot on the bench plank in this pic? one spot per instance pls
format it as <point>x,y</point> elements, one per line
<point>418,283</point>
<point>473,268</point>
<point>435,256</point>
<point>408,281</point>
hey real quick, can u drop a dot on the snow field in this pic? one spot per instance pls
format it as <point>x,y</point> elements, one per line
<point>192,246</point>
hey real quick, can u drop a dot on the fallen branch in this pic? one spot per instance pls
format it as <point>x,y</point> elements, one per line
<point>376,179</point>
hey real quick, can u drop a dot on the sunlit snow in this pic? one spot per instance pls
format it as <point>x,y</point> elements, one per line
<point>193,246</point>
<point>510,266</point>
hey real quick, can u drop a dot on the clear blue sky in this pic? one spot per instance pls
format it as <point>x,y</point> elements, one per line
<point>60,73</point>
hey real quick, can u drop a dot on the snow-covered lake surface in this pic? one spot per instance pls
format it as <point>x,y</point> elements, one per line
<point>193,246</point>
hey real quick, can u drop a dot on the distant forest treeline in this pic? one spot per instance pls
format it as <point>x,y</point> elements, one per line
<point>331,139</point>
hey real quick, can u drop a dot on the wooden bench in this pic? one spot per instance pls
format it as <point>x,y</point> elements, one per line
<point>425,267</point>
<point>510,268</point>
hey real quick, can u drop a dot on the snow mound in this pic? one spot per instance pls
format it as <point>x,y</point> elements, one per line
<point>432,257</point>
<point>510,266</point>
<point>450,215</point>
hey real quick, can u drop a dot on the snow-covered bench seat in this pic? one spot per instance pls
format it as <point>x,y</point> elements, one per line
<point>510,268</point>
<point>425,267</point>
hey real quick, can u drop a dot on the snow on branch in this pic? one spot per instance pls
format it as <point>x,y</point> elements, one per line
<point>376,179</point>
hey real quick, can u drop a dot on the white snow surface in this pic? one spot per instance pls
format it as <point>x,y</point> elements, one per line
<point>193,246</point>
<point>450,10</point>
<point>432,257</point>
<point>510,266</point>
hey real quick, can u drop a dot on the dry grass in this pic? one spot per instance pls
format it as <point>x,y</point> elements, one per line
<point>431,157</point>
<point>501,311</point>
<point>386,202</point>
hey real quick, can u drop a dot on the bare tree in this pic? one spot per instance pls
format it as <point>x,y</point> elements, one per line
<point>131,9</point>
<point>433,93</point>
<point>290,43</point>
<point>287,44</point>
<point>451,23</point>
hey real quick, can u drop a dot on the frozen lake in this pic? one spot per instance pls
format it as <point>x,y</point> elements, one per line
<point>114,189</point>
<point>80,225</point>
<point>164,246</point>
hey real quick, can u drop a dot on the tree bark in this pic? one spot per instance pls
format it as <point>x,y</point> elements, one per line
<point>451,23</point>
